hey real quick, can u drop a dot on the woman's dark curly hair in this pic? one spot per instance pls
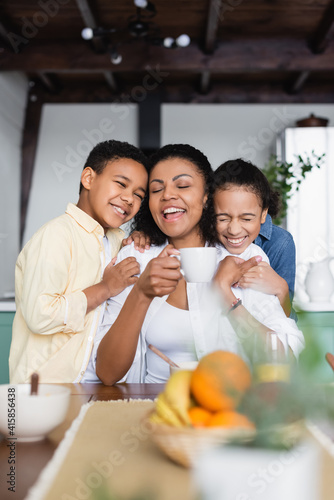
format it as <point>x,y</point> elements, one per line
<point>144,221</point>
<point>243,173</point>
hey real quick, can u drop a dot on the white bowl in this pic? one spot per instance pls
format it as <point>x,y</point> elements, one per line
<point>31,418</point>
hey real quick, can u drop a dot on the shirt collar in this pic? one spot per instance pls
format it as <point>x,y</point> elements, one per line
<point>87,222</point>
<point>267,228</point>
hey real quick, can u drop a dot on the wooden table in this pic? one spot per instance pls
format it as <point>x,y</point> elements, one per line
<point>31,458</point>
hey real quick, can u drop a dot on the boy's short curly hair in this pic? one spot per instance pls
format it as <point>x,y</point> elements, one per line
<point>111,150</point>
<point>243,173</point>
<point>144,221</point>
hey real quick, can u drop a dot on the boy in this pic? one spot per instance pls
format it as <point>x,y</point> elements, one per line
<point>61,277</point>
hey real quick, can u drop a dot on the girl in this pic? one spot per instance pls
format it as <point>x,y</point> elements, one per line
<point>277,278</point>
<point>242,200</point>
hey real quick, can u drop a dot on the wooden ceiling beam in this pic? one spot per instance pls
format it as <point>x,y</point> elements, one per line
<point>90,22</point>
<point>230,56</point>
<point>244,94</point>
<point>218,93</point>
<point>49,81</point>
<point>298,83</point>
<point>205,81</point>
<point>319,41</point>
<point>110,79</point>
<point>4,40</point>
<point>212,25</point>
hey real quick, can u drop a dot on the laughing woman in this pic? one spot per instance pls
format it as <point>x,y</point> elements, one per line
<point>161,308</point>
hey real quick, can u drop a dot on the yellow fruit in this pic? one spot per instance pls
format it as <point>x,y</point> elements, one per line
<point>166,412</point>
<point>156,419</point>
<point>177,394</point>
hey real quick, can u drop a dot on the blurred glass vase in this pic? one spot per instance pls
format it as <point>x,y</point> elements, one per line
<point>271,358</point>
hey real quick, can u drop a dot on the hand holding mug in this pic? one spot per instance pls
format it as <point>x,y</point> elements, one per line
<point>161,274</point>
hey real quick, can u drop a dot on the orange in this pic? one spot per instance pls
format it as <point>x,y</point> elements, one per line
<point>230,419</point>
<point>199,416</point>
<point>220,380</point>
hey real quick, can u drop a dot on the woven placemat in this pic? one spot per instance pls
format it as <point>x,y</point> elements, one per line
<point>109,446</point>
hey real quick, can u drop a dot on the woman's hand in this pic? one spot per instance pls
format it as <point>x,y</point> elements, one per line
<point>141,241</point>
<point>161,275</point>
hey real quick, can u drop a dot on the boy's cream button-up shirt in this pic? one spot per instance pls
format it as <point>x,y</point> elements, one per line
<point>52,334</point>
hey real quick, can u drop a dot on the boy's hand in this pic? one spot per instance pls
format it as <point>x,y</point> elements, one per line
<point>141,241</point>
<point>117,278</point>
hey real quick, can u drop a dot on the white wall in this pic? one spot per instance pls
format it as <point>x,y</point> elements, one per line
<point>227,131</point>
<point>13,95</point>
<point>68,132</point>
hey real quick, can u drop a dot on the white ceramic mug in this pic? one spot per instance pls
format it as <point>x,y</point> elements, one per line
<point>198,264</point>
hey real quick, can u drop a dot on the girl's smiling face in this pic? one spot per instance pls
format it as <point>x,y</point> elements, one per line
<point>176,199</point>
<point>239,216</point>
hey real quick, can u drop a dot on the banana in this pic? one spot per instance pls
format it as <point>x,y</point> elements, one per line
<point>166,412</point>
<point>156,419</point>
<point>177,393</point>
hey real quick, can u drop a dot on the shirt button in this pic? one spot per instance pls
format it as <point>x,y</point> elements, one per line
<point>82,373</point>
<point>90,339</point>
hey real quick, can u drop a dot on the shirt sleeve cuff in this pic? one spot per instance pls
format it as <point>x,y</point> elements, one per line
<point>75,312</point>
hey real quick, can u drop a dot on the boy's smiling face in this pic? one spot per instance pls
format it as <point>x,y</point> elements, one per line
<point>114,196</point>
<point>239,216</point>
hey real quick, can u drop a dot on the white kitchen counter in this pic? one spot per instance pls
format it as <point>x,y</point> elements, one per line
<point>313,306</point>
<point>7,306</point>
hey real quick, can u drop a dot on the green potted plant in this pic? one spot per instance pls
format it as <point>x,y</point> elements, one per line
<point>286,177</point>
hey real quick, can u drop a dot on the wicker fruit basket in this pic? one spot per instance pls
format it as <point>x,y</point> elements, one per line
<point>184,444</point>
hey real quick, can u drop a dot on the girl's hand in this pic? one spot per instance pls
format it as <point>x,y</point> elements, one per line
<point>117,278</point>
<point>263,279</point>
<point>141,241</point>
<point>161,275</point>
